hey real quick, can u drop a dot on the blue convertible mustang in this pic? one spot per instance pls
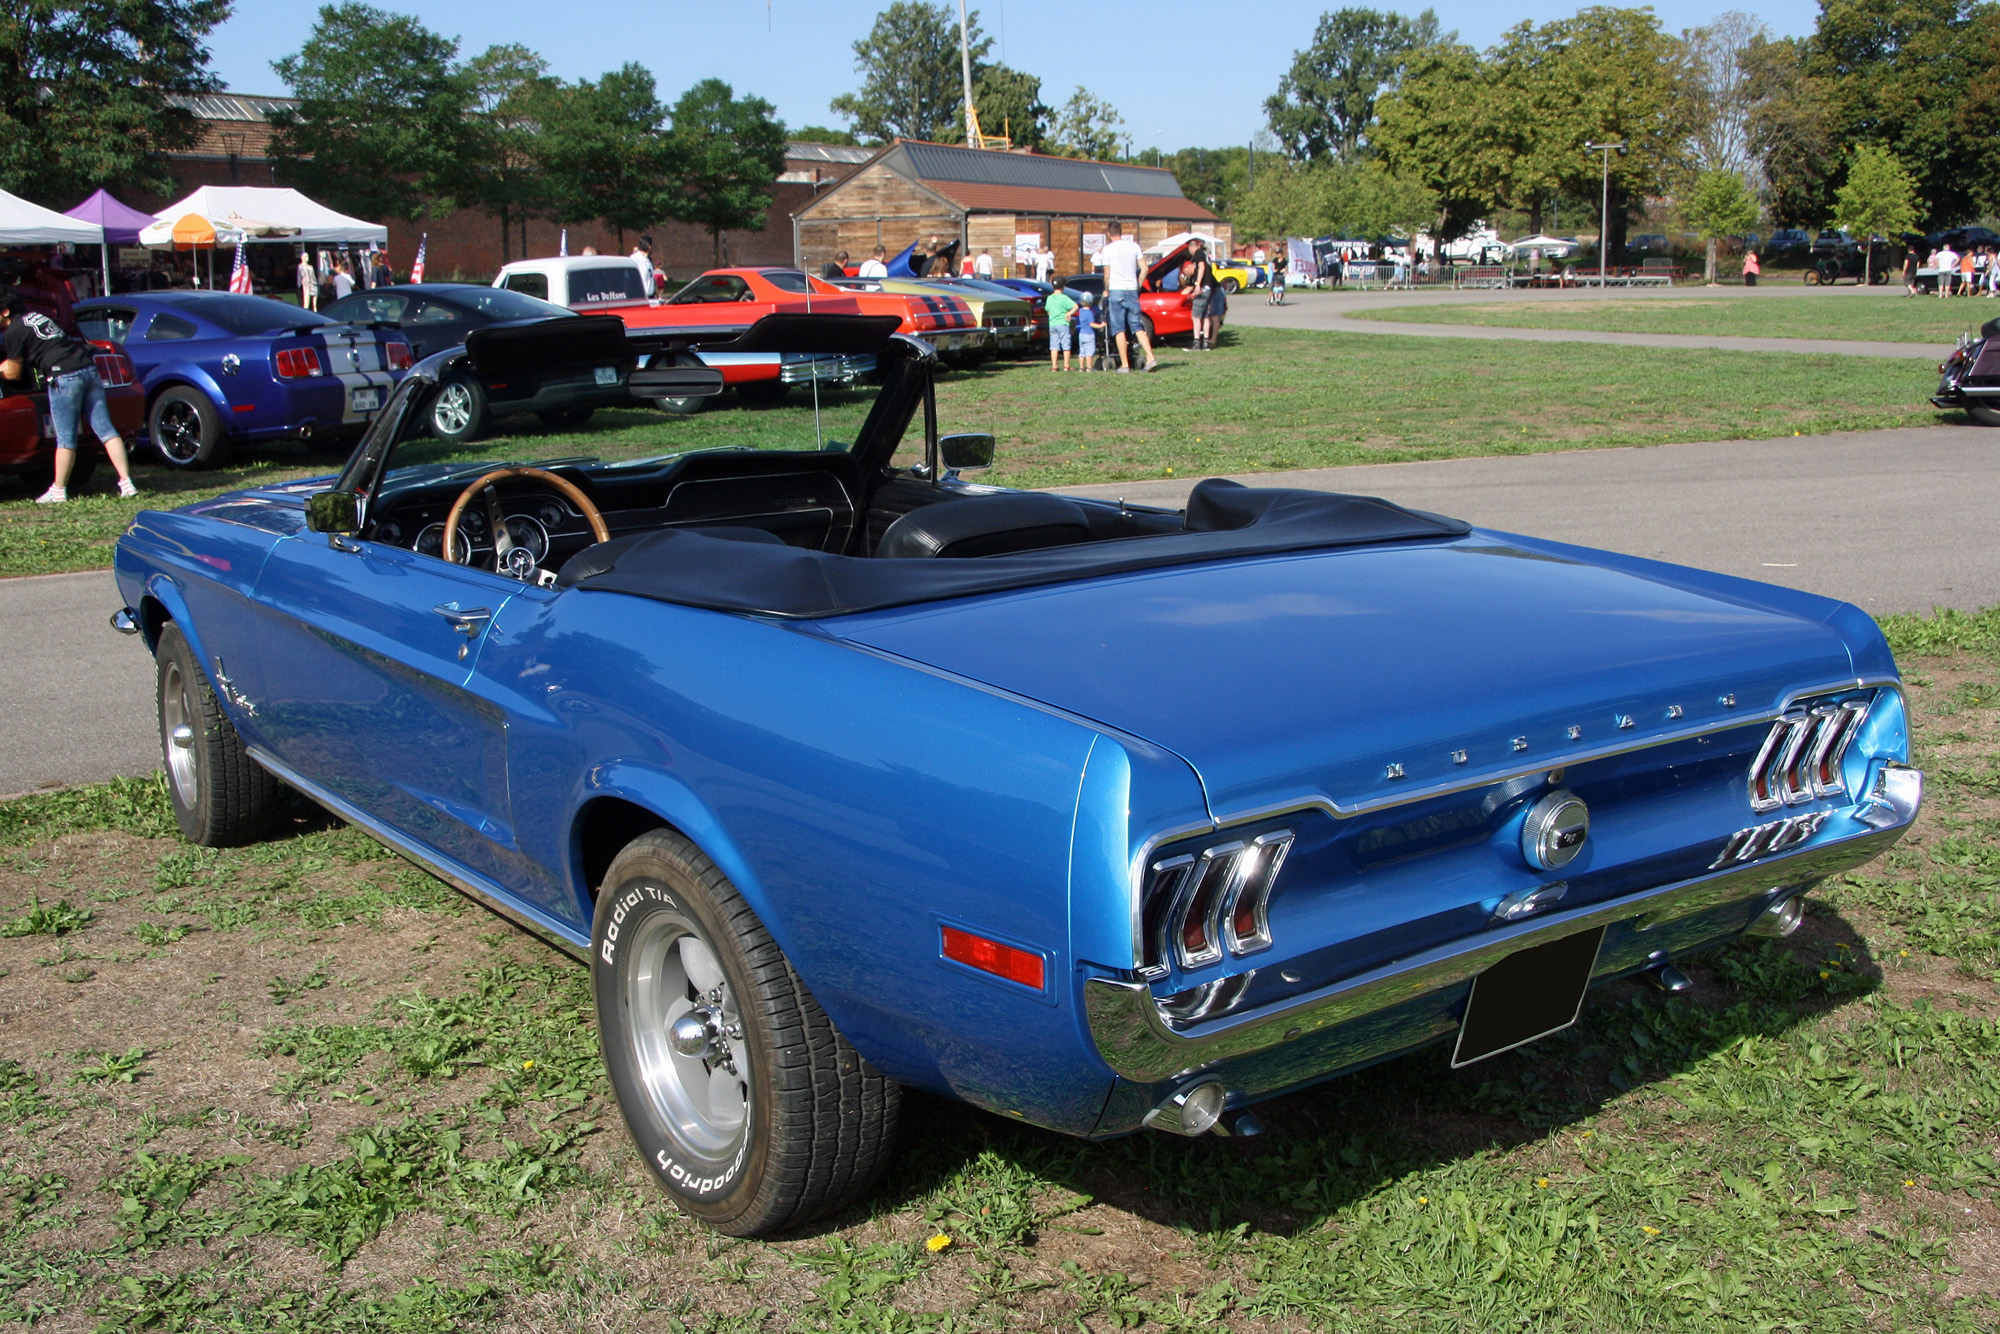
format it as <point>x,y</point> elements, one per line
<point>845,774</point>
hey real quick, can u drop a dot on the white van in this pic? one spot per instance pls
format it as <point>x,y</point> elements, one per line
<point>581,282</point>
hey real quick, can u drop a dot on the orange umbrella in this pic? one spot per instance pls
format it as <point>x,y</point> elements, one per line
<point>194,232</point>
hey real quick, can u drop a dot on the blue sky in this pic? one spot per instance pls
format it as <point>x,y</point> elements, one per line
<point>799,55</point>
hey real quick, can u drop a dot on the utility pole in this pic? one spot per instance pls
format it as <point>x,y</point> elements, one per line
<point>965,68</point>
<point>1605,221</point>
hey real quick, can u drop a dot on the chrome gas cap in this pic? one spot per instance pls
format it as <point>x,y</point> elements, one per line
<point>1555,830</point>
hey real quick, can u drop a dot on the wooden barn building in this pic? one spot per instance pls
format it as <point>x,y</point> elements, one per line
<point>988,200</point>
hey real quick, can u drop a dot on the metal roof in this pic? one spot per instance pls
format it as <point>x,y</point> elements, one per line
<point>797,150</point>
<point>230,106</point>
<point>946,162</point>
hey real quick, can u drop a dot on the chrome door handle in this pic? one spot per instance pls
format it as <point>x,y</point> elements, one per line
<point>467,621</point>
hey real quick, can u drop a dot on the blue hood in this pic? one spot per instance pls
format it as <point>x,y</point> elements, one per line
<point>1313,674</point>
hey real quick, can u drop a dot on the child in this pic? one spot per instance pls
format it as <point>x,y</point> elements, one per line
<point>1060,305</point>
<point>1088,321</point>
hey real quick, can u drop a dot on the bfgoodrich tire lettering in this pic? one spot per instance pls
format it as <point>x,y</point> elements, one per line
<point>221,797</point>
<point>777,1119</point>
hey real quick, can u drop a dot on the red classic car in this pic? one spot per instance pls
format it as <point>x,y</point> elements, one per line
<point>28,439</point>
<point>745,295</point>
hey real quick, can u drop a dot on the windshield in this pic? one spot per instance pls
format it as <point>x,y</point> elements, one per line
<point>250,314</point>
<point>770,402</point>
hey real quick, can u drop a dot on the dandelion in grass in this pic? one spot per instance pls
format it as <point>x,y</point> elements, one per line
<point>527,1065</point>
<point>1423,1199</point>
<point>1824,974</point>
<point>1908,1184</point>
<point>1541,1183</point>
<point>1649,1229</point>
<point>937,1243</point>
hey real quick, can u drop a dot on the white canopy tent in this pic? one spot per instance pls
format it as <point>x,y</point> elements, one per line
<point>282,214</point>
<point>23,223</point>
<point>1548,245</point>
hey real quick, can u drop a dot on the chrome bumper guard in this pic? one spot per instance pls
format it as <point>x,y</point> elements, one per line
<point>1137,1041</point>
<point>827,370</point>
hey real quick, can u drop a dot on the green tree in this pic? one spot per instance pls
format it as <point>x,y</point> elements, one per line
<point>1325,104</point>
<point>1445,128</point>
<point>1879,199</point>
<point>383,126</point>
<point>1088,127</point>
<point>1010,103</point>
<point>1792,132</point>
<point>727,151</point>
<point>1359,200</point>
<point>83,97</point>
<point>912,86</point>
<point>820,134</point>
<point>511,90</point>
<point>1718,205</point>
<point>605,152</point>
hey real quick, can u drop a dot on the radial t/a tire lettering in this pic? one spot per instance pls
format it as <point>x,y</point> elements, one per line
<point>221,797</point>
<point>745,1102</point>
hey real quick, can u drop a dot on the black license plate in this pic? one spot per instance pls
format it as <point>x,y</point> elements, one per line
<point>1527,996</point>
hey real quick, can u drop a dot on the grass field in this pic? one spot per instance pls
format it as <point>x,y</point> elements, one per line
<point>1852,319</point>
<point>303,1087</point>
<point>1270,400</point>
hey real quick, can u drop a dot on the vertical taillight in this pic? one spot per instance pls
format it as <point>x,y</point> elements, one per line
<point>1201,907</point>
<point>1802,755</point>
<point>397,356</point>
<point>295,363</point>
<point>115,369</point>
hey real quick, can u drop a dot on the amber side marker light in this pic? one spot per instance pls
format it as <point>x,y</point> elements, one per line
<point>990,956</point>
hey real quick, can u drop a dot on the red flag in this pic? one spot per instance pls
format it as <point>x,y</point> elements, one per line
<point>239,276</point>
<point>417,269</point>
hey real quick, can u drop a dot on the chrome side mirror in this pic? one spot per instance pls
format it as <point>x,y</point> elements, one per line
<point>966,452</point>
<point>334,512</point>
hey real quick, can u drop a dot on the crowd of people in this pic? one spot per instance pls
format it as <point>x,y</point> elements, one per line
<point>1975,271</point>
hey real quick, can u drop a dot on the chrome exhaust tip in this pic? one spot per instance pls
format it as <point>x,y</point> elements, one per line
<point>1780,919</point>
<point>1191,1111</point>
<point>1669,979</point>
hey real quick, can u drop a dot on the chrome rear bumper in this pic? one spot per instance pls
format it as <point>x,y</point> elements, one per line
<point>1138,1042</point>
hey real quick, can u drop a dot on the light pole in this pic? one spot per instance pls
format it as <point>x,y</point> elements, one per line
<point>1604,219</point>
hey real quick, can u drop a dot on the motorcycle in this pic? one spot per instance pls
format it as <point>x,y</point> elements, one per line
<point>1971,376</point>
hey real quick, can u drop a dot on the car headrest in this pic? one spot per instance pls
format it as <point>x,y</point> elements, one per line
<point>986,525</point>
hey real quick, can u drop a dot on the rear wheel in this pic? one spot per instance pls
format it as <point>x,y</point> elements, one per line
<point>745,1101</point>
<point>1811,278</point>
<point>458,414</point>
<point>1231,286</point>
<point>186,429</point>
<point>220,795</point>
<point>1984,411</point>
<point>687,406</point>
<point>1878,277</point>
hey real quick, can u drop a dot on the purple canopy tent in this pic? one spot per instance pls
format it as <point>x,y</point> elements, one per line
<point>121,224</point>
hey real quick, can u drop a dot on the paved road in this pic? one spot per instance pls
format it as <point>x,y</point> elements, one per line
<point>1893,520</point>
<point>1335,311</point>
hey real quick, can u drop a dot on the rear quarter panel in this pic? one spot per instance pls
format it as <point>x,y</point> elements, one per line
<point>858,802</point>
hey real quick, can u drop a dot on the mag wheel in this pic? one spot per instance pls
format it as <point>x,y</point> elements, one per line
<point>220,795</point>
<point>458,413</point>
<point>185,428</point>
<point>1231,286</point>
<point>746,1103</point>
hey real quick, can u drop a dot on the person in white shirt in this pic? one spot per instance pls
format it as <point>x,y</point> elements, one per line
<point>1946,263</point>
<point>343,281</point>
<point>873,266</point>
<point>645,263</point>
<point>983,266</point>
<point>1124,266</point>
<point>1045,265</point>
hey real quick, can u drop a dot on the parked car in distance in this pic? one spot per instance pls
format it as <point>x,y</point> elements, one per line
<point>1647,243</point>
<point>438,316</point>
<point>1847,260</point>
<point>1237,275</point>
<point>845,775</point>
<point>1787,241</point>
<point>221,369</point>
<point>1003,312</point>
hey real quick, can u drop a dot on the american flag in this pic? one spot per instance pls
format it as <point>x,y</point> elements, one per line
<point>417,269</point>
<point>239,276</point>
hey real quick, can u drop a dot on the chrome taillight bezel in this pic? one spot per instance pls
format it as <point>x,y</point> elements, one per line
<point>1802,756</point>
<point>1204,907</point>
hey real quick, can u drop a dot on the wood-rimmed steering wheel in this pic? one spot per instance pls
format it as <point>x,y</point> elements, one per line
<point>498,521</point>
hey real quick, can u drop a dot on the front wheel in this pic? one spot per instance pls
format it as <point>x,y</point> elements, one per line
<point>1231,286</point>
<point>221,797</point>
<point>186,430</point>
<point>745,1101</point>
<point>1811,278</point>
<point>1984,411</point>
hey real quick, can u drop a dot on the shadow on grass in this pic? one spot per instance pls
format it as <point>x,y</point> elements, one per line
<point>1333,1145</point>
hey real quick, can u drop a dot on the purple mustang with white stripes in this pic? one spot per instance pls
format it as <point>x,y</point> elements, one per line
<point>847,775</point>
